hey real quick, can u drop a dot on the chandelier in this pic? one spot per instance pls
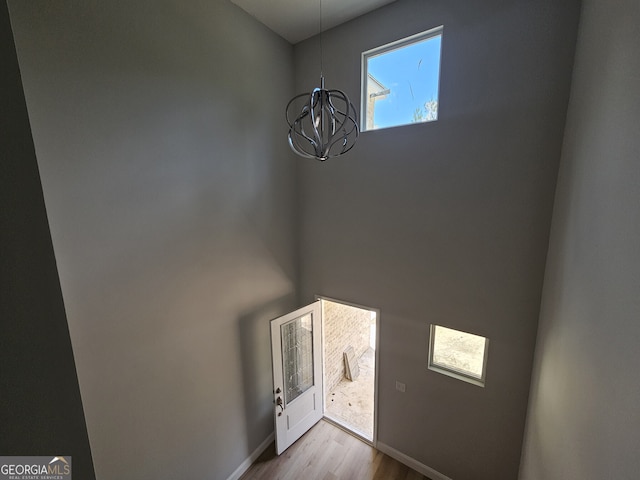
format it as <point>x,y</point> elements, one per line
<point>322,124</point>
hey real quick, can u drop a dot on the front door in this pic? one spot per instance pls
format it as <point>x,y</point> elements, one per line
<point>296,346</point>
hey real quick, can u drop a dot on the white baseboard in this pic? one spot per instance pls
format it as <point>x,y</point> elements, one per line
<point>410,462</point>
<point>244,466</point>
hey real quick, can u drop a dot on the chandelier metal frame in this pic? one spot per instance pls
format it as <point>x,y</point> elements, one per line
<point>327,125</point>
<point>322,124</point>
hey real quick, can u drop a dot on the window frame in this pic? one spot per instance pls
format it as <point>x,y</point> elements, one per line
<point>403,42</point>
<point>452,372</point>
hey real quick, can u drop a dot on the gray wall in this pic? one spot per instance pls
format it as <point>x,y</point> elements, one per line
<point>171,204</point>
<point>447,222</point>
<point>40,406</point>
<point>584,419</point>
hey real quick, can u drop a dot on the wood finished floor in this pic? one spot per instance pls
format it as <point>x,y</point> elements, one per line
<point>328,453</point>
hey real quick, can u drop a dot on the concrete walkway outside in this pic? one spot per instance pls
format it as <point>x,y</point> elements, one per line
<point>351,403</point>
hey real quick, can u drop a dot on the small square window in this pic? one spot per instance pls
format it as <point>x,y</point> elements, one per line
<point>400,81</point>
<point>458,354</point>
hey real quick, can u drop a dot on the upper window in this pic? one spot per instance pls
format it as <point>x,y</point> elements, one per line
<point>400,81</point>
<point>458,354</point>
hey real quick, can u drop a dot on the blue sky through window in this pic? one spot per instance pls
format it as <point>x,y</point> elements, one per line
<point>411,73</point>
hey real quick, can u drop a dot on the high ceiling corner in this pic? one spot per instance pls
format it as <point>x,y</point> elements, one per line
<point>296,20</point>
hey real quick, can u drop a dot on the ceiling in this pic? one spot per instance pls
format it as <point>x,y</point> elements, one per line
<point>297,20</point>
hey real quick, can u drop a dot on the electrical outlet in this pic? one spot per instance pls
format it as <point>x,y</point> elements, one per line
<point>401,387</point>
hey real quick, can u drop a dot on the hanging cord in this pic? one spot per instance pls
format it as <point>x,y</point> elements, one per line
<point>321,70</point>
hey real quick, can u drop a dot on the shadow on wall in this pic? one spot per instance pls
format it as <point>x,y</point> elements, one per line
<point>257,378</point>
<point>40,405</point>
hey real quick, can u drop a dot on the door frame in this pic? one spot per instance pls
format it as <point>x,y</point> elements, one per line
<point>374,441</point>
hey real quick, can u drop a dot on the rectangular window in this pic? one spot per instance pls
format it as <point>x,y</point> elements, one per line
<point>297,357</point>
<point>458,354</point>
<point>400,81</point>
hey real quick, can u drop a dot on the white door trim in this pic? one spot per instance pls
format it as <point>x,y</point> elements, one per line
<point>374,440</point>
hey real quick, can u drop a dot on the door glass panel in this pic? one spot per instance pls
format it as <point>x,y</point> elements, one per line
<point>297,357</point>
